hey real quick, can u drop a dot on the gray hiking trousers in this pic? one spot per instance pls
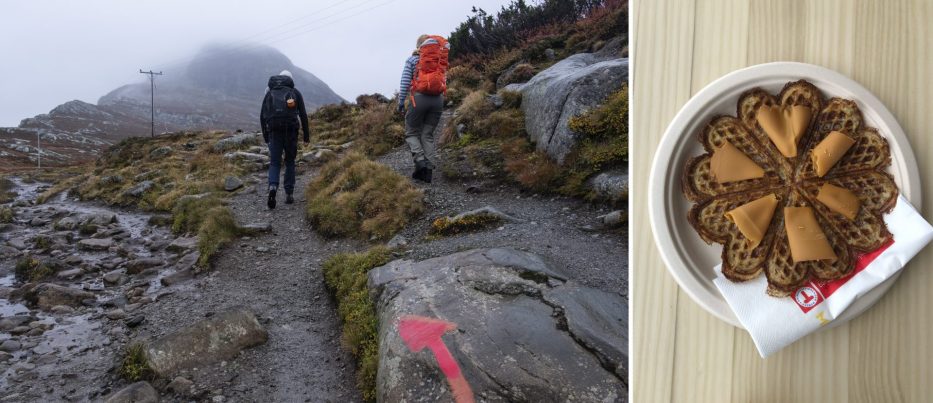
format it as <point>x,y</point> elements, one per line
<point>420,121</point>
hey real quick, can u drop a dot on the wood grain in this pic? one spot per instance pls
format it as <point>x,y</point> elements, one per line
<point>680,353</point>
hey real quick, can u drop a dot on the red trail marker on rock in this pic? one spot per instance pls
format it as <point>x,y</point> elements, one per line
<point>419,332</point>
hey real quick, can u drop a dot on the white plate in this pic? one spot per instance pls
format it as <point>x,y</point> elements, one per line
<point>689,259</point>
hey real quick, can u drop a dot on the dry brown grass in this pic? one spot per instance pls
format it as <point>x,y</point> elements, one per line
<point>356,197</point>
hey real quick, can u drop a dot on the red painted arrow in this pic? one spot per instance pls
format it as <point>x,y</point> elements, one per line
<point>419,332</point>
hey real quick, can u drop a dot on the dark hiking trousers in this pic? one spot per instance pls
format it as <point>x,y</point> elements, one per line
<point>284,139</point>
<point>420,121</point>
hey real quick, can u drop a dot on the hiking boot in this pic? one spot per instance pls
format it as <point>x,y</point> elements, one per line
<point>420,167</point>
<point>426,175</point>
<point>271,202</point>
<point>289,199</point>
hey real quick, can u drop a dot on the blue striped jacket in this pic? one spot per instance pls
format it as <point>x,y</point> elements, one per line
<point>407,74</point>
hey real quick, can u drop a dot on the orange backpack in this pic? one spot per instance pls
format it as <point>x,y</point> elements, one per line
<point>431,72</point>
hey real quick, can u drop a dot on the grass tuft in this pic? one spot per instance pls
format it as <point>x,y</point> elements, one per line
<point>447,226</point>
<point>354,196</point>
<point>135,364</point>
<point>345,275</point>
<point>31,269</point>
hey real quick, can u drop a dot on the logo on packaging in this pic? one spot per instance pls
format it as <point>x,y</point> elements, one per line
<point>806,297</point>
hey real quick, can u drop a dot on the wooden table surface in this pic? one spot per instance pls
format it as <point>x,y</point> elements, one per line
<point>680,352</point>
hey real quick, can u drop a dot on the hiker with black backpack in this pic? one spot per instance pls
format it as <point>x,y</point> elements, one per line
<point>283,112</point>
<point>424,83</point>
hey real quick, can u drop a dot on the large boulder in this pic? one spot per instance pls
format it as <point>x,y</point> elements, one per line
<point>564,90</point>
<point>523,332</point>
<point>219,338</point>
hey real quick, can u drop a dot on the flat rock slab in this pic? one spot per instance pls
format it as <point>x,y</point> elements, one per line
<point>219,338</point>
<point>139,392</point>
<point>523,333</point>
<point>48,295</point>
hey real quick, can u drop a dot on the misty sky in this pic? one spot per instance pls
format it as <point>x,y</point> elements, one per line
<point>55,51</point>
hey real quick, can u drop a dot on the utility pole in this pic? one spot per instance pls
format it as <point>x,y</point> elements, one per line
<point>151,98</point>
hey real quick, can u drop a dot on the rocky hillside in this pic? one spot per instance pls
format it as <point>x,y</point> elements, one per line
<point>220,88</point>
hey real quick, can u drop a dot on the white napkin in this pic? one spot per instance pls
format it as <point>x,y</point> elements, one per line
<point>775,323</point>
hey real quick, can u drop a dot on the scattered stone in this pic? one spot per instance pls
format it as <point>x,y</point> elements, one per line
<point>610,185</point>
<point>10,322</point>
<point>10,346</point>
<point>139,392</point>
<point>181,245</point>
<point>5,356</point>
<point>115,277</point>
<point>139,189</point>
<point>69,274</point>
<point>550,54</point>
<point>62,309</point>
<point>96,244</point>
<point>262,249</point>
<point>398,241</point>
<point>242,155</point>
<point>135,321</point>
<point>612,220</point>
<point>177,277</point>
<point>38,222</point>
<point>255,228</point>
<point>238,141</point>
<point>66,224</point>
<point>16,331</point>
<point>218,338</point>
<point>319,157</point>
<point>74,260</point>
<point>116,314</point>
<point>100,219</point>
<point>160,152</point>
<point>47,295</point>
<point>188,262</point>
<point>18,243</point>
<point>232,183</point>
<point>138,265</point>
<point>564,342</point>
<point>180,386</point>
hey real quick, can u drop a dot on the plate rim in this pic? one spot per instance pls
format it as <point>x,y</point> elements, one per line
<point>657,185</point>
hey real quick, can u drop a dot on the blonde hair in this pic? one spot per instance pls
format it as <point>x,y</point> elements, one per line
<point>421,40</point>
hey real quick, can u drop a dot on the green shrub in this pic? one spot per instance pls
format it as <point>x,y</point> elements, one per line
<point>7,214</point>
<point>356,197</point>
<point>345,276</point>
<point>31,269</point>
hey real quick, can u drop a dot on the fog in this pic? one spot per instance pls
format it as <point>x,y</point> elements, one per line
<point>55,51</point>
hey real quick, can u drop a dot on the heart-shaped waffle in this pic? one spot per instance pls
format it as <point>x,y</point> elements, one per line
<point>795,183</point>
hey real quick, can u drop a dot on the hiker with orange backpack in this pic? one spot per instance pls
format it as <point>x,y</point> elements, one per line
<point>424,83</point>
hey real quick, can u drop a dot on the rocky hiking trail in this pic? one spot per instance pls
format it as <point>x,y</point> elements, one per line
<point>138,285</point>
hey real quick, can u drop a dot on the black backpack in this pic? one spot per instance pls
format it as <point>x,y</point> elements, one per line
<point>284,106</point>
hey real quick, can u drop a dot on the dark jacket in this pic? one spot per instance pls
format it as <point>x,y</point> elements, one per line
<point>264,120</point>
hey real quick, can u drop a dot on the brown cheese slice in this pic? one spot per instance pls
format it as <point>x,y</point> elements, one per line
<point>830,151</point>
<point>840,200</point>
<point>753,218</point>
<point>784,126</point>
<point>729,164</point>
<point>806,238</point>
